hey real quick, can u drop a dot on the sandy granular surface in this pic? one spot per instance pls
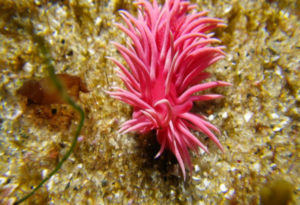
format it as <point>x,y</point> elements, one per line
<point>258,118</point>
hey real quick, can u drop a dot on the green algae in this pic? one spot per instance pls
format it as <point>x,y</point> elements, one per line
<point>51,70</point>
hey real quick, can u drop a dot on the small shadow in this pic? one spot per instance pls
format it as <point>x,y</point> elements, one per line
<point>166,164</point>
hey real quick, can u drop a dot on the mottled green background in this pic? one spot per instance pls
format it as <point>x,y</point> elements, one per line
<point>258,118</point>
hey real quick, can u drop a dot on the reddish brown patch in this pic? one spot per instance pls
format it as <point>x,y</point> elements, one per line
<point>43,92</point>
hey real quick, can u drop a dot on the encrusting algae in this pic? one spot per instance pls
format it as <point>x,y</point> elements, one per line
<point>43,92</point>
<point>258,119</point>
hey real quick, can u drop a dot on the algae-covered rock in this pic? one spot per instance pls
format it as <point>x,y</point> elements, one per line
<point>258,117</point>
<point>277,192</point>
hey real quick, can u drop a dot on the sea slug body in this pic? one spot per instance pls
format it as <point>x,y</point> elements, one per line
<point>166,59</point>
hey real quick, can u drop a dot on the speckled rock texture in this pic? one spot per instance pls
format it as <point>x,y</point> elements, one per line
<point>259,117</point>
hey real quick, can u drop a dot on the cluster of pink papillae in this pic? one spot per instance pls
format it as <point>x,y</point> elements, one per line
<point>166,59</point>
